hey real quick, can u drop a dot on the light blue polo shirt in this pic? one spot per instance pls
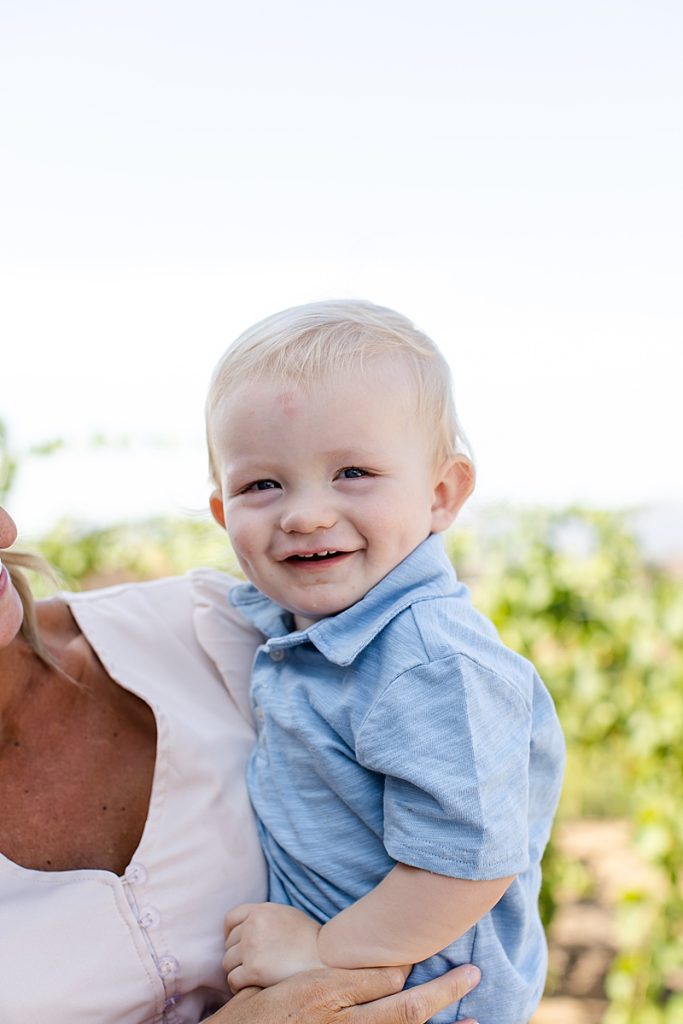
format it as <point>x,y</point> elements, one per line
<point>402,729</point>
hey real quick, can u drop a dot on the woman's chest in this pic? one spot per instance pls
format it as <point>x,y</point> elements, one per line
<point>76,771</point>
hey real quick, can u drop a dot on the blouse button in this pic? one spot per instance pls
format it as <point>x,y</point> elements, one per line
<point>149,917</point>
<point>277,654</point>
<point>135,874</point>
<point>168,966</point>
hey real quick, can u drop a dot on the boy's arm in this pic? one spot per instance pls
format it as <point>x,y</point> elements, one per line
<point>411,915</point>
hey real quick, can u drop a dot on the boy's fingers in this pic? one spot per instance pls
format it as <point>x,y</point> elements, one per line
<point>236,916</point>
<point>237,979</point>
<point>232,959</point>
<point>233,936</point>
<point>417,1005</point>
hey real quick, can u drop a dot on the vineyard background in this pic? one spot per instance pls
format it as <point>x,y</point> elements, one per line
<point>572,591</point>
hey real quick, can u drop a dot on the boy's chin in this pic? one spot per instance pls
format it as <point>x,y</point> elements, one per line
<point>304,621</point>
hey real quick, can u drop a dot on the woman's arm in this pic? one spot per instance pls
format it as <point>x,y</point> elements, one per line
<point>348,997</point>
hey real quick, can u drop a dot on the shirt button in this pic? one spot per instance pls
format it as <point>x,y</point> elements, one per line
<point>149,917</point>
<point>135,874</point>
<point>259,714</point>
<point>168,966</point>
<point>277,654</point>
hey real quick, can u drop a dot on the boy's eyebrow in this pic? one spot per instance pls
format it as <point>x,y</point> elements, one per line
<point>239,463</point>
<point>346,454</point>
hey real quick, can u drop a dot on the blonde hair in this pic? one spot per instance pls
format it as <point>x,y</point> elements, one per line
<point>15,561</point>
<point>306,343</point>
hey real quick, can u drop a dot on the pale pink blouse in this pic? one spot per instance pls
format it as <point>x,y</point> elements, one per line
<point>88,946</point>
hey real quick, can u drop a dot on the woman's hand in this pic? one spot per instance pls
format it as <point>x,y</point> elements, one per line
<point>335,996</point>
<point>266,943</point>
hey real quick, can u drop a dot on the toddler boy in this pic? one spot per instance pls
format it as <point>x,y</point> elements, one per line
<point>408,765</point>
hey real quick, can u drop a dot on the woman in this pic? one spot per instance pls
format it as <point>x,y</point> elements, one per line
<point>125,829</point>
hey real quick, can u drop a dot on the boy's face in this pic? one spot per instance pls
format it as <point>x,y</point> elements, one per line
<point>325,489</point>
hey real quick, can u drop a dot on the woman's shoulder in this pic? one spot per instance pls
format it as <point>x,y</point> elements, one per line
<point>174,620</point>
<point>170,599</point>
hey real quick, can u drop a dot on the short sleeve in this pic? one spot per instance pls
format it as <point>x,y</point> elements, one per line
<point>452,739</point>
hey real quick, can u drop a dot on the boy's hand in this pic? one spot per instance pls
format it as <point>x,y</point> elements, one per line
<point>266,943</point>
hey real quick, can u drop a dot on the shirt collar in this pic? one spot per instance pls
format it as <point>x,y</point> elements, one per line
<point>426,572</point>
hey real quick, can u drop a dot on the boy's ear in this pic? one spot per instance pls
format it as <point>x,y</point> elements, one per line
<point>455,483</point>
<point>216,506</point>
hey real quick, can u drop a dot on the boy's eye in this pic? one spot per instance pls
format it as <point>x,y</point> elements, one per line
<point>352,472</point>
<point>262,485</point>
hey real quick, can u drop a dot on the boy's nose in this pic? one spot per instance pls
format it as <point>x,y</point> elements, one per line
<point>306,515</point>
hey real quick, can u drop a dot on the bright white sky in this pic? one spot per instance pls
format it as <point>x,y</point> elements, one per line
<point>507,174</point>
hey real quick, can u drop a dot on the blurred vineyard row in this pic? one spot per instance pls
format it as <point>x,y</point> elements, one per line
<point>572,592</point>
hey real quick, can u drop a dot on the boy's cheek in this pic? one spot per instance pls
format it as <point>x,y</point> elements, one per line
<point>241,536</point>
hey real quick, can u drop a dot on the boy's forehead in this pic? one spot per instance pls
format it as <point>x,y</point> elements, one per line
<point>355,403</point>
<point>382,371</point>
<point>347,402</point>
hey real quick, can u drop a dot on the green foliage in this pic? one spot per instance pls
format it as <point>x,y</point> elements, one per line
<point>86,558</point>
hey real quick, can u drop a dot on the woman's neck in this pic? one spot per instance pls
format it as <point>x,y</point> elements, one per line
<point>18,675</point>
<point>22,671</point>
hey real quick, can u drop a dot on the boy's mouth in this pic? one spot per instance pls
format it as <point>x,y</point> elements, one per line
<point>318,556</point>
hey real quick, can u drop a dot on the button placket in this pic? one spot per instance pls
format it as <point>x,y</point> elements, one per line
<point>168,967</point>
<point>135,873</point>
<point>172,1001</point>
<point>149,918</point>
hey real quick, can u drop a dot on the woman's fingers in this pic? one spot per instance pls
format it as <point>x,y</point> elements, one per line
<point>417,1005</point>
<point>350,988</point>
<point>332,996</point>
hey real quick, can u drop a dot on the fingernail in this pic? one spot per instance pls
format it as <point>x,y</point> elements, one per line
<point>473,975</point>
